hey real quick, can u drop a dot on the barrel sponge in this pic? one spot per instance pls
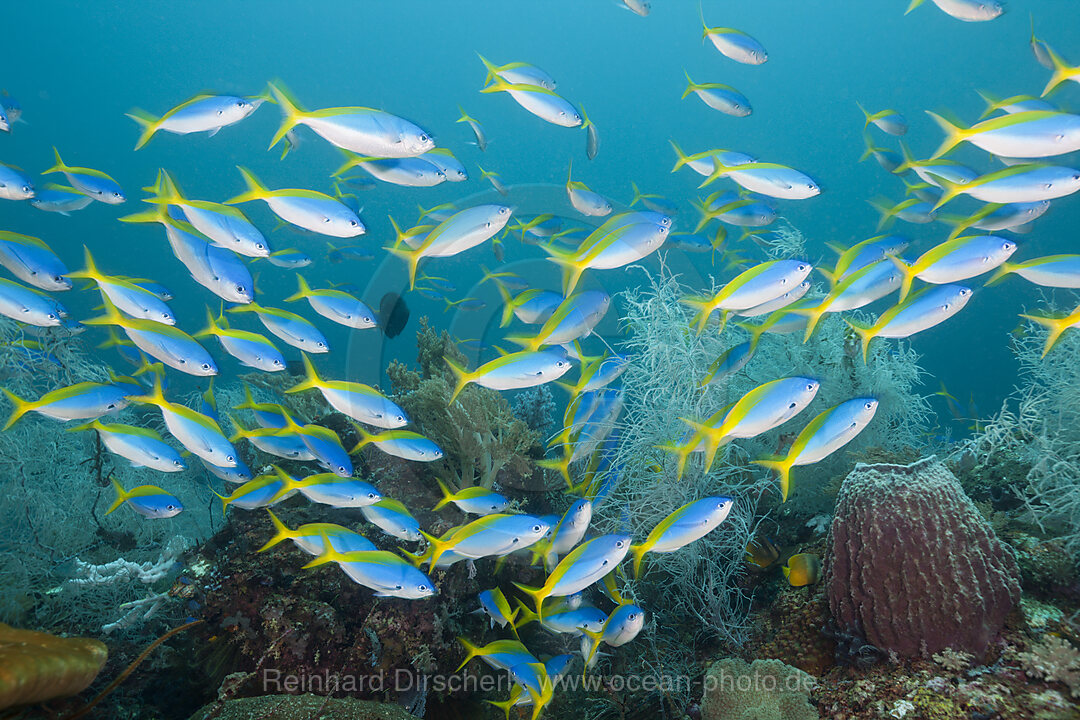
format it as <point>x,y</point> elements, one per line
<point>912,567</point>
<point>36,666</point>
<point>761,690</point>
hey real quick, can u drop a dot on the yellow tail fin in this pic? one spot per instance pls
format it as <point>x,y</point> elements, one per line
<point>282,532</point>
<point>121,495</point>
<point>292,114</point>
<point>21,407</point>
<point>954,134</point>
<point>148,124</point>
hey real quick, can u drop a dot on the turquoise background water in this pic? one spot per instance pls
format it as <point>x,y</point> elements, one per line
<point>78,67</point>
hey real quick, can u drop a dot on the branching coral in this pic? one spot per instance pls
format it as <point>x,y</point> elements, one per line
<point>1037,434</point>
<point>479,433</point>
<point>1054,659</point>
<point>785,241</point>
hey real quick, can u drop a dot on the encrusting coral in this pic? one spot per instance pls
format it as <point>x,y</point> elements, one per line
<point>761,690</point>
<point>482,439</point>
<point>912,566</point>
<point>37,666</point>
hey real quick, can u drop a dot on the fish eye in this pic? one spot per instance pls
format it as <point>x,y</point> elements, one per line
<point>869,405</point>
<point>620,543</point>
<point>116,194</point>
<point>27,188</point>
<point>321,344</point>
<point>372,496</point>
<point>422,588</point>
<point>537,528</point>
<point>177,463</point>
<point>259,246</point>
<point>353,223</point>
<point>230,458</point>
<point>423,137</point>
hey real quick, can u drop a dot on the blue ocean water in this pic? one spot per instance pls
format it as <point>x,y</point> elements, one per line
<point>418,59</point>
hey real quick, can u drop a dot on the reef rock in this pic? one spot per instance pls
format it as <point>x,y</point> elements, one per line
<point>761,690</point>
<point>912,567</point>
<point>290,707</point>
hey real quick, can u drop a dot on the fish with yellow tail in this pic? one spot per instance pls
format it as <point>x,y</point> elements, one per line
<point>150,501</point>
<point>826,433</point>
<point>965,10</point>
<point>1028,182</point>
<point>361,130</point>
<point>922,311</point>
<point>472,500</point>
<point>583,566</point>
<point>765,407</point>
<point>362,403</point>
<point>955,260</point>
<point>311,538</point>
<point>1062,271</point>
<point>384,572</point>
<point>691,522</point>
<point>760,284</point>
<point>621,626</point>
<point>306,209</point>
<point>1027,134</point>
<point>514,371</point>
<point>202,113</point>
<point>81,401</point>
<point>199,434</point>
<point>461,231</point>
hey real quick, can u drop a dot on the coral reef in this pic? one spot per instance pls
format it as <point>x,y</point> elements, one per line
<point>913,567</point>
<point>761,690</point>
<point>483,441</point>
<point>37,666</point>
<point>263,613</point>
